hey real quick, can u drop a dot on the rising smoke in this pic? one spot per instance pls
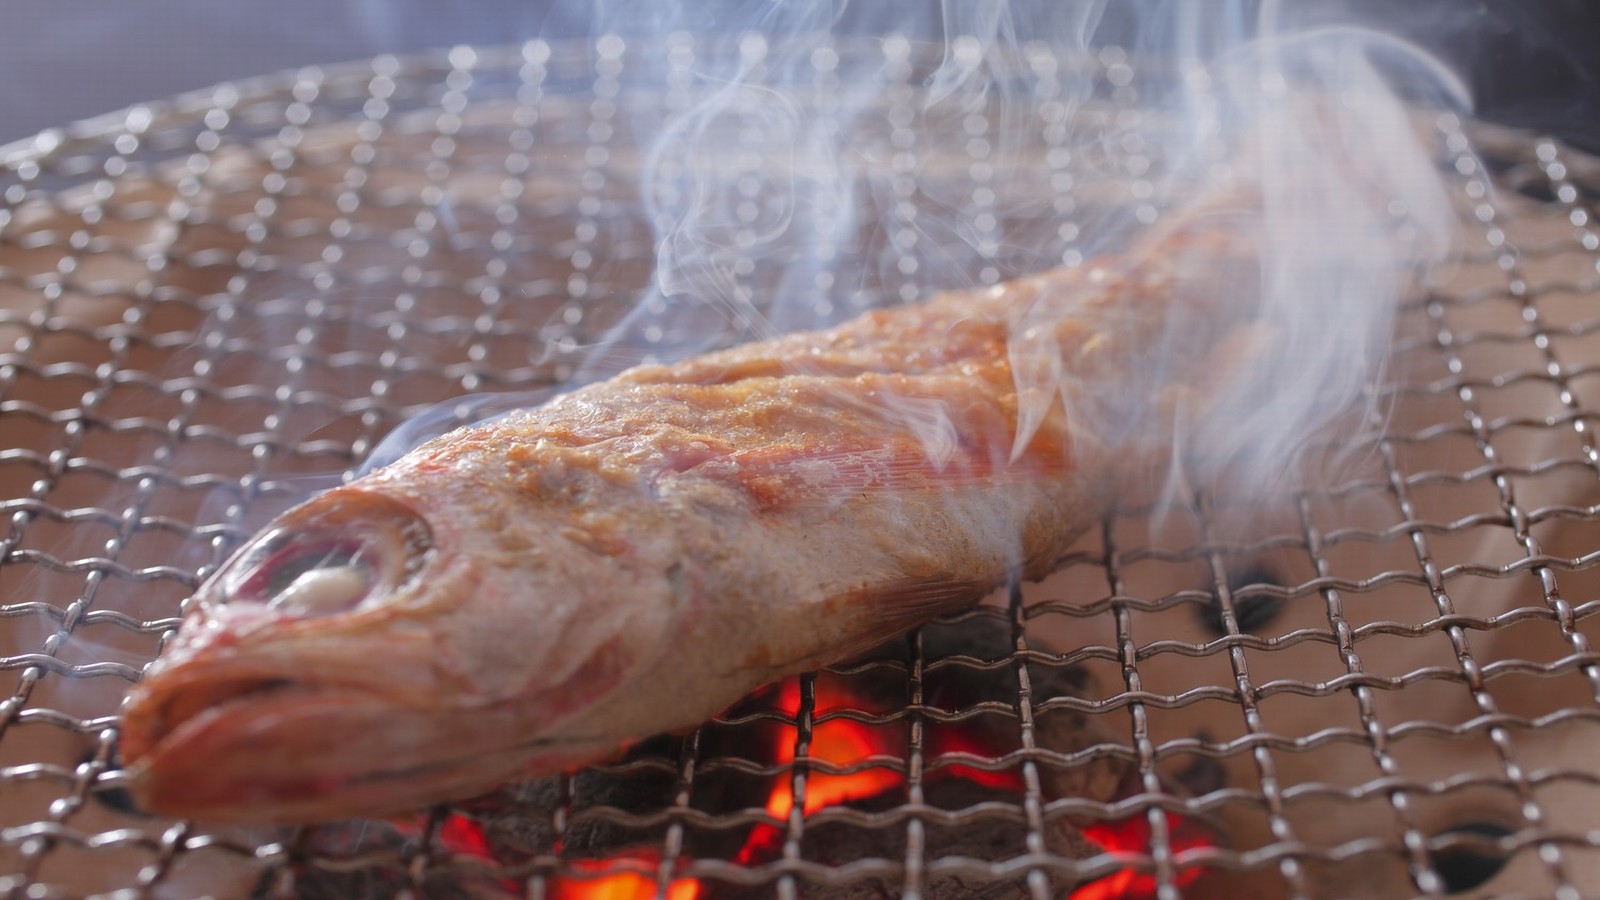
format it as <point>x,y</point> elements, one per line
<point>1293,125</point>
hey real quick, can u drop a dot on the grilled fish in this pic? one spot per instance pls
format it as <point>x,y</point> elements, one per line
<point>534,593</point>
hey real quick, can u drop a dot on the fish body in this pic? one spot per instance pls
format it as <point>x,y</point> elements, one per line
<point>533,593</point>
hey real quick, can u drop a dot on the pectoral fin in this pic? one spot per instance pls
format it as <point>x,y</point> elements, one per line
<point>898,606</point>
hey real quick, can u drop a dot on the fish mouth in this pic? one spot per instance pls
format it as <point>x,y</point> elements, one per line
<point>190,700</point>
<point>264,749</point>
<point>189,748</point>
<point>215,697</point>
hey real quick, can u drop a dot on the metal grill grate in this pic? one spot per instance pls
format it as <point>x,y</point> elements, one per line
<point>208,306</point>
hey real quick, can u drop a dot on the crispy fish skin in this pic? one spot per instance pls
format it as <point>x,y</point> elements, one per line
<point>534,593</point>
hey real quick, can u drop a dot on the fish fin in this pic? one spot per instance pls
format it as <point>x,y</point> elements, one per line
<point>898,606</point>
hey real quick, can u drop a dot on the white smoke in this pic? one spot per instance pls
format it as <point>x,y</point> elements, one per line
<point>806,156</point>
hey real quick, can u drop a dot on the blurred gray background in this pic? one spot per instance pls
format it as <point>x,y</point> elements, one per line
<point>1534,63</point>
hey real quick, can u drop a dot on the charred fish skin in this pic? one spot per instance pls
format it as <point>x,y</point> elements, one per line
<point>530,594</point>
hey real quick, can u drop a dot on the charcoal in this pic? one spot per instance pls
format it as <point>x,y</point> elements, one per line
<point>519,819</point>
<point>386,846</point>
<point>992,839</point>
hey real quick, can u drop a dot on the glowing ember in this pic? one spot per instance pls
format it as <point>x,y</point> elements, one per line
<point>463,836</point>
<point>1132,835</point>
<point>947,740</point>
<point>599,880</point>
<point>865,750</point>
<point>844,743</point>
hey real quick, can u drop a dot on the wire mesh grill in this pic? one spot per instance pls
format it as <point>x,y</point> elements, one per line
<point>212,306</point>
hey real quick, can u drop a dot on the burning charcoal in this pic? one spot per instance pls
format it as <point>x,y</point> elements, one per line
<point>325,870</point>
<point>1059,729</point>
<point>1006,839</point>
<point>982,634</point>
<point>988,639</point>
<point>590,835</point>
<point>323,884</point>
<point>519,819</point>
<point>991,839</point>
<point>627,876</point>
<point>384,876</point>
<point>1070,731</point>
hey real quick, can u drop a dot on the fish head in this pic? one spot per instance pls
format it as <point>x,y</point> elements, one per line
<point>379,647</point>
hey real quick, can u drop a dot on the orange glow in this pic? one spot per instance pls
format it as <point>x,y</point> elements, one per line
<point>952,738</point>
<point>460,836</point>
<point>842,742</point>
<point>1132,835</point>
<point>846,743</point>
<point>617,885</point>
<point>464,836</point>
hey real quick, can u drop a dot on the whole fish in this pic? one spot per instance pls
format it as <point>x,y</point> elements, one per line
<point>534,593</point>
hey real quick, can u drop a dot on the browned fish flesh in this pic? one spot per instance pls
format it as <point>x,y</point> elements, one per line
<point>537,592</point>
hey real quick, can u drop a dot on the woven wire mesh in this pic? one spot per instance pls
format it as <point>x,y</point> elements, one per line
<point>211,306</point>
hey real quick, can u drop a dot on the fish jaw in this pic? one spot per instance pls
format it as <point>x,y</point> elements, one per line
<point>268,727</point>
<point>265,728</point>
<point>282,753</point>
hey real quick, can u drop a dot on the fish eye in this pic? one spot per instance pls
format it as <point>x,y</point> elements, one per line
<point>342,551</point>
<point>306,574</point>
